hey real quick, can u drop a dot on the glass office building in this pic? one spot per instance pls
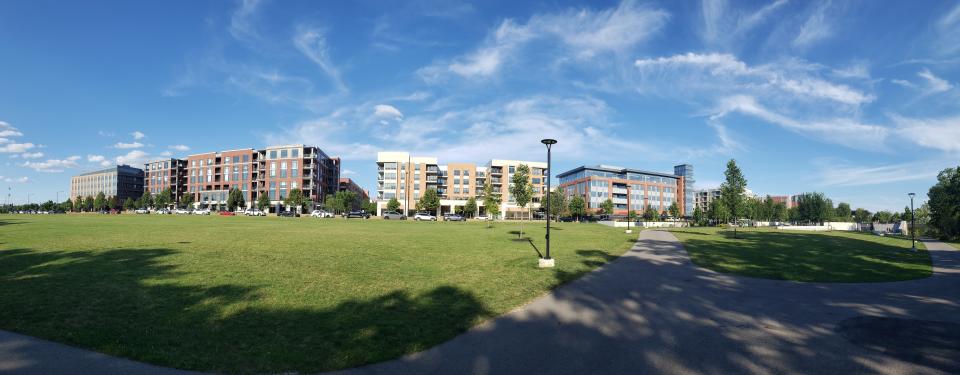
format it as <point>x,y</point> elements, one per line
<point>628,189</point>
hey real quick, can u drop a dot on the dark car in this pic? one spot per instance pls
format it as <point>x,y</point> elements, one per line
<point>288,214</point>
<point>568,219</point>
<point>453,217</point>
<point>357,214</point>
<point>393,215</point>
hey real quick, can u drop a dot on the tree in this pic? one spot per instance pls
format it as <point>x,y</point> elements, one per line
<point>883,217</point>
<point>862,216</point>
<point>698,216</point>
<point>163,198</point>
<point>68,205</point>
<point>577,206</point>
<point>295,199</point>
<point>895,218</point>
<point>557,201</point>
<point>186,200</point>
<point>731,191</point>
<point>393,205</point>
<point>674,210</point>
<point>263,201</point>
<point>430,200</point>
<point>718,212</point>
<point>814,208</point>
<point>87,204</point>
<point>235,199</point>
<point>100,202</point>
<point>347,200</point>
<point>491,202</point>
<point>607,207</point>
<point>944,203</point>
<point>521,190</point>
<point>470,208</point>
<point>843,211</point>
<point>146,201</point>
<point>780,212</point>
<point>114,203</point>
<point>47,206</point>
<point>370,206</point>
<point>650,215</point>
<point>128,204</point>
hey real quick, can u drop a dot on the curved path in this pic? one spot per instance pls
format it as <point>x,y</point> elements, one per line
<point>652,311</point>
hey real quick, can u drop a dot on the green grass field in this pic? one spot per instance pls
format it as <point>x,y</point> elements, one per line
<point>246,294</point>
<point>805,256</point>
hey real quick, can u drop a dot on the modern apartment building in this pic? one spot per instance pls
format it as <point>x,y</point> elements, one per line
<point>628,189</point>
<point>273,171</point>
<point>347,184</point>
<point>686,170</point>
<point>166,174</point>
<point>703,197</point>
<point>406,178</point>
<point>122,181</point>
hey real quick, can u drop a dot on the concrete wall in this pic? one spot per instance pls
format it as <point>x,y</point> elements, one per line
<point>825,227</point>
<point>645,224</point>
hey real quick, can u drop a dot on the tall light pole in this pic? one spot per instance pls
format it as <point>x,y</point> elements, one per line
<point>58,196</point>
<point>913,223</point>
<point>548,261</point>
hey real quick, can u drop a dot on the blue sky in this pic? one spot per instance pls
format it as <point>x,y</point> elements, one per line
<point>857,99</point>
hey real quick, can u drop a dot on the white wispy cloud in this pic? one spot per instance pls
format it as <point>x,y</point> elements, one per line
<point>22,180</point>
<point>387,112</point>
<point>181,148</point>
<point>31,155</point>
<point>312,42</point>
<point>725,27</point>
<point>347,172</point>
<point>938,133</point>
<point>580,34</point>
<point>99,159</point>
<point>934,84</point>
<point>53,165</point>
<point>123,145</point>
<point>16,148</point>
<point>947,28</point>
<point>134,158</point>
<point>137,135</point>
<point>817,27</point>
<point>838,173</point>
<point>7,130</point>
<point>241,22</point>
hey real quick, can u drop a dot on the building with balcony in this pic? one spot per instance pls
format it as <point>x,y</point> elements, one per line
<point>406,178</point>
<point>704,197</point>
<point>273,171</point>
<point>347,184</point>
<point>166,174</point>
<point>122,181</point>
<point>628,189</point>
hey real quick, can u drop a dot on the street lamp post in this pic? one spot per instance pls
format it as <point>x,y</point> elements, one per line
<point>913,223</point>
<point>548,261</point>
<point>58,196</point>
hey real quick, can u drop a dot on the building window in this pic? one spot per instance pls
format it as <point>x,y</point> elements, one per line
<point>273,154</point>
<point>295,153</point>
<point>246,158</point>
<point>293,168</point>
<point>273,169</point>
<point>283,169</point>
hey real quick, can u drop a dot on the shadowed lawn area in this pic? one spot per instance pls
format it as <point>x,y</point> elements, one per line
<point>805,256</point>
<point>245,294</point>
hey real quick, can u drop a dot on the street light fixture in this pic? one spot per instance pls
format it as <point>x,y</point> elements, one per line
<point>548,261</point>
<point>913,223</point>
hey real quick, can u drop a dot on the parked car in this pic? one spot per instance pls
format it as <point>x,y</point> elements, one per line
<point>288,214</point>
<point>162,211</point>
<point>357,214</point>
<point>320,213</point>
<point>483,217</point>
<point>424,216</point>
<point>201,212</point>
<point>453,217</point>
<point>142,211</point>
<point>393,215</point>
<point>181,211</point>
<point>568,219</point>
<point>254,212</point>
<point>227,213</point>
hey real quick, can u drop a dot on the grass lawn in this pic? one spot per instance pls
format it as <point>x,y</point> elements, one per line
<point>248,294</point>
<point>805,256</point>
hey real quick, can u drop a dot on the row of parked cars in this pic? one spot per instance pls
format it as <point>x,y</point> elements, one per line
<point>426,216</point>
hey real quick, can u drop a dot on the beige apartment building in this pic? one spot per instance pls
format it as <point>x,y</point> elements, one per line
<point>122,181</point>
<point>406,178</point>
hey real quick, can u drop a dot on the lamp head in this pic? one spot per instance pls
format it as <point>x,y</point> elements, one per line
<point>911,195</point>
<point>548,141</point>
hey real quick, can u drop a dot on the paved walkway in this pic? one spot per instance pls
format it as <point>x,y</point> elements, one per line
<point>652,311</point>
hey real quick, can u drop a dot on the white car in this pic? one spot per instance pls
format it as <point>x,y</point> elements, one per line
<point>201,212</point>
<point>320,213</point>
<point>142,211</point>
<point>254,212</point>
<point>181,211</point>
<point>483,217</point>
<point>423,216</point>
<point>162,211</point>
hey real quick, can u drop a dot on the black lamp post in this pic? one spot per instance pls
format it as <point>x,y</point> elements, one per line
<point>547,261</point>
<point>913,223</point>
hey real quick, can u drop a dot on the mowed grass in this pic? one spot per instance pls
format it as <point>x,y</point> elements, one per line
<point>247,294</point>
<point>834,256</point>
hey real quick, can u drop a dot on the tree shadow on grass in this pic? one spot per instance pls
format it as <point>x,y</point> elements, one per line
<point>135,303</point>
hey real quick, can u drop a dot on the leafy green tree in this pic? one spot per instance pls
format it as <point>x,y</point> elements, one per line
<point>100,202</point>
<point>114,203</point>
<point>557,201</point>
<point>944,203</point>
<point>674,210</point>
<point>68,206</point>
<point>146,201</point>
<point>699,217</point>
<point>87,204</point>
<point>862,216</point>
<point>731,191</point>
<point>843,211</point>
<point>295,199</point>
<point>393,205</point>
<point>780,212</point>
<point>895,218</point>
<point>607,207</point>
<point>128,204</point>
<point>718,212</point>
<point>883,217</point>
<point>163,198</point>
<point>521,191</point>
<point>47,206</point>
<point>491,202</point>
<point>186,200</point>
<point>235,199</point>
<point>263,201</point>
<point>371,207</point>
<point>577,206</point>
<point>650,214</point>
<point>430,200</point>
<point>470,208</point>
<point>814,208</point>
